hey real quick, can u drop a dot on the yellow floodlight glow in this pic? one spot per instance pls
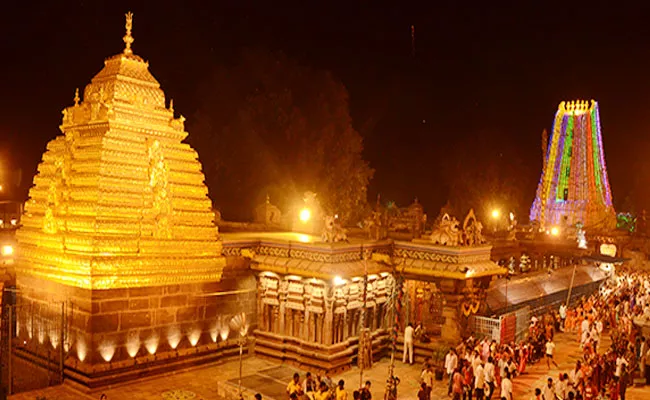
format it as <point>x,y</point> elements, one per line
<point>338,281</point>
<point>495,213</point>
<point>7,250</point>
<point>305,215</point>
<point>555,231</point>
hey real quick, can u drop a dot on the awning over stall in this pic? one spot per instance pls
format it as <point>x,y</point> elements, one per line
<point>539,285</point>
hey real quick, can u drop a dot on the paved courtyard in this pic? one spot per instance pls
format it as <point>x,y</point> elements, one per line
<point>219,380</point>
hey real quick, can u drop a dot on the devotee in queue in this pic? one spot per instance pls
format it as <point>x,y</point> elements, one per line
<point>294,388</point>
<point>341,393</point>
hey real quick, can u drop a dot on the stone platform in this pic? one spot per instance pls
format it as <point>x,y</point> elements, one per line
<point>114,335</point>
<point>219,381</point>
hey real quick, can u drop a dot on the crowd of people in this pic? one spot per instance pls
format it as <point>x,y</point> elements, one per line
<point>323,388</point>
<point>484,369</point>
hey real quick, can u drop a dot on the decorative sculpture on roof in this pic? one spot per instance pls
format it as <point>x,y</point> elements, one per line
<point>374,226</point>
<point>268,213</point>
<point>333,232</point>
<point>447,233</point>
<point>472,230</point>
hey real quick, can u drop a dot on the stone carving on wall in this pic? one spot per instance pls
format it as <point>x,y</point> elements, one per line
<point>472,297</point>
<point>159,183</point>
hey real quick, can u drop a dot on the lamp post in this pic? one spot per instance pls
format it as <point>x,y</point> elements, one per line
<point>507,279</point>
<point>495,216</point>
<point>239,324</point>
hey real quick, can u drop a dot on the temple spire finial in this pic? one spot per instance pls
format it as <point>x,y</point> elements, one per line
<point>76,97</point>
<point>128,39</point>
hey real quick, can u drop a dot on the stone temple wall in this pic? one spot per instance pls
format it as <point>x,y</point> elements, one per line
<point>110,332</point>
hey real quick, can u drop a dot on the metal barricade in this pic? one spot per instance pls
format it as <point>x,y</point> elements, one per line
<point>482,327</point>
<point>509,327</point>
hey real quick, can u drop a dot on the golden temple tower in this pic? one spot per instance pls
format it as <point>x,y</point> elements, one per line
<point>119,200</point>
<point>119,252</point>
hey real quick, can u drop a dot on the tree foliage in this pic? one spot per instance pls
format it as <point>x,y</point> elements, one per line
<point>268,125</point>
<point>487,172</point>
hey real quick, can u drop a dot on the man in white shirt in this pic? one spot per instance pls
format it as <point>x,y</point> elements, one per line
<point>451,362</point>
<point>476,360</point>
<point>488,370</point>
<point>550,349</point>
<point>479,381</point>
<point>595,337</point>
<point>548,392</point>
<point>599,327</point>
<point>408,343</point>
<point>584,326</point>
<point>428,378</point>
<point>506,387</point>
<point>562,386</point>
<point>562,315</point>
<point>620,361</point>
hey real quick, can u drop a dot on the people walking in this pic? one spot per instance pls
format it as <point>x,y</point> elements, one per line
<point>451,363</point>
<point>408,343</point>
<point>550,349</point>
<point>506,387</point>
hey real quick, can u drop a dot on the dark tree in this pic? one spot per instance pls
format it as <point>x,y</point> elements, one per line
<point>269,125</point>
<point>487,172</point>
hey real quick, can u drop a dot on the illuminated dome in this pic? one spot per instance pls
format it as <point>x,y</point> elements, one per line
<point>119,200</point>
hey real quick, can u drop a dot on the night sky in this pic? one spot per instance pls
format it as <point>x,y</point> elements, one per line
<point>480,68</point>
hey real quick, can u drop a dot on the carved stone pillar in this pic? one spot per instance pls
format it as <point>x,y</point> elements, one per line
<point>301,326</point>
<point>328,316</point>
<point>307,325</point>
<point>260,304</point>
<point>275,324</point>
<point>451,328</point>
<point>283,310</point>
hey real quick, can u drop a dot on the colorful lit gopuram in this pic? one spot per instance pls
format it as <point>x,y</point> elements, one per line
<point>574,186</point>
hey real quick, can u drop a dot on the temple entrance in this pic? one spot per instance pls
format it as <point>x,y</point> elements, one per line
<point>32,348</point>
<point>426,302</point>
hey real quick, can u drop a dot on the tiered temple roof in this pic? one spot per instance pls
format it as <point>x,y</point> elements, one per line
<point>119,200</point>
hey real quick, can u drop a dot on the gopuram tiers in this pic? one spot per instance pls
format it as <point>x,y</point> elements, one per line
<point>118,228</point>
<point>574,187</point>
